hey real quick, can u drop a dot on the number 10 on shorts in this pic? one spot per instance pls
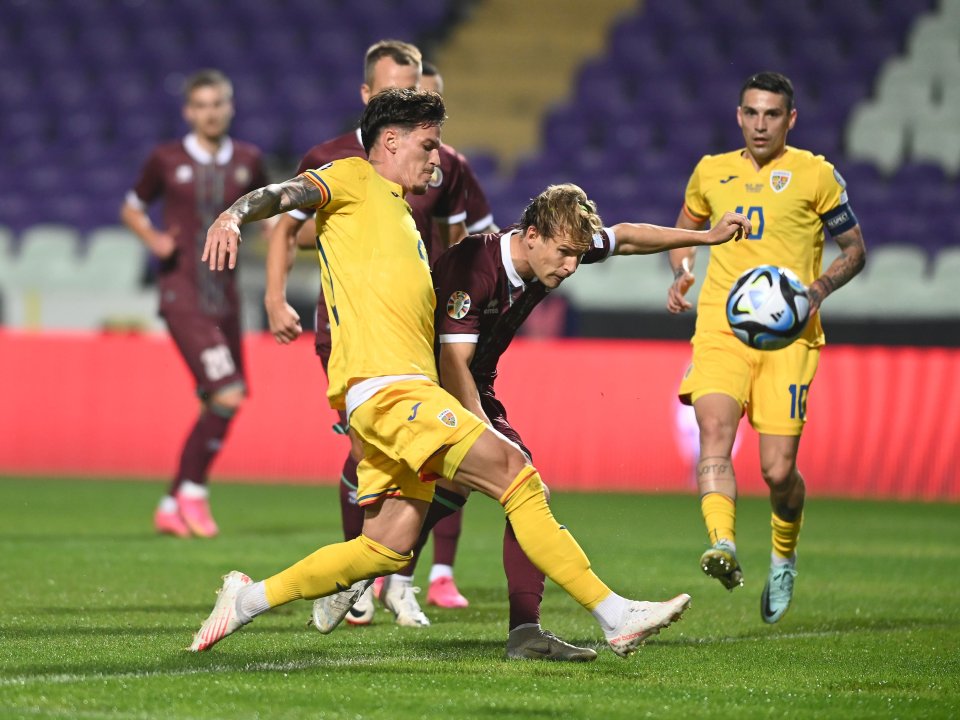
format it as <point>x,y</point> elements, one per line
<point>798,401</point>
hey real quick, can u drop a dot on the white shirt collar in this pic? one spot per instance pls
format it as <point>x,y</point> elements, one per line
<point>224,154</point>
<point>360,138</point>
<point>512,275</point>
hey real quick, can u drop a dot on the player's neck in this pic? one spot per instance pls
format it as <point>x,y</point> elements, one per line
<point>520,263</point>
<point>387,171</point>
<point>757,164</point>
<point>210,144</point>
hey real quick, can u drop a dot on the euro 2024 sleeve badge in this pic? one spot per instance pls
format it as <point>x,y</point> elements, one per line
<point>458,305</point>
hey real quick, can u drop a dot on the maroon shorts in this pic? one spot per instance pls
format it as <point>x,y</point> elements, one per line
<point>211,347</point>
<point>497,414</point>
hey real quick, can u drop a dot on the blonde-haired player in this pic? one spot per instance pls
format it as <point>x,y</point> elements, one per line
<point>382,369</point>
<point>790,196</point>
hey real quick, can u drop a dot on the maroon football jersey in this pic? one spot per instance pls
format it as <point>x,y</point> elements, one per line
<point>445,200</point>
<point>482,299</point>
<point>479,212</point>
<point>195,188</point>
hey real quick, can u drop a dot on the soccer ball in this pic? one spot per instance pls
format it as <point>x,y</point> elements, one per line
<point>768,307</point>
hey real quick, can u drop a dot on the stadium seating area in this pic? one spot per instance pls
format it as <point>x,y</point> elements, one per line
<point>93,84</point>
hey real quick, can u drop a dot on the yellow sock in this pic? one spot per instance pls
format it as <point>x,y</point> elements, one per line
<point>785,535</point>
<point>720,517</point>
<point>333,568</point>
<point>549,545</point>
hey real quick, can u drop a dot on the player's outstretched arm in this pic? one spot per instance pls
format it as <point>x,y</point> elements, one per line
<point>842,270</point>
<point>223,237</point>
<point>283,320</point>
<point>644,239</point>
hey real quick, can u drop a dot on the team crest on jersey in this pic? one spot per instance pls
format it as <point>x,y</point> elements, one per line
<point>458,305</point>
<point>779,179</point>
<point>448,418</point>
<point>436,180</point>
<point>241,175</point>
<point>184,173</point>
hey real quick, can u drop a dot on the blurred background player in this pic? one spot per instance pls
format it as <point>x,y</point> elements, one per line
<point>197,177</point>
<point>439,214</point>
<point>791,196</point>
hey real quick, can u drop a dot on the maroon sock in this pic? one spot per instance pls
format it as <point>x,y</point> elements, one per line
<point>446,535</point>
<point>201,448</point>
<point>445,503</point>
<point>524,582</point>
<point>351,514</point>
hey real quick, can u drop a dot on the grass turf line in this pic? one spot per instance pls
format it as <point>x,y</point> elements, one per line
<point>97,611</point>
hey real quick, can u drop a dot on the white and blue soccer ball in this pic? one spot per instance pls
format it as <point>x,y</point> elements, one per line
<point>768,307</point>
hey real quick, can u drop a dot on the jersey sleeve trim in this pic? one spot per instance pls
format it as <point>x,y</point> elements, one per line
<point>325,194</point>
<point>478,225</point>
<point>301,215</point>
<point>452,219</point>
<point>458,338</point>
<point>690,214</point>
<point>839,220</point>
<point>134,201</point>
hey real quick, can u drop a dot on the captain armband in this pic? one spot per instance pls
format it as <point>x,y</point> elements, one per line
<point>840,219</point>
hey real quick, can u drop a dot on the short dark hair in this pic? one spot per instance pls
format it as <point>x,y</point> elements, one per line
<point>429,69</point>
<point>401,107</point>
<point>205,78</point>
<point>771,82</point>
<point>402,53</point>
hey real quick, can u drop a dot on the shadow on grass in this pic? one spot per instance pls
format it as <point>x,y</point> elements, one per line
<point>421,657</point>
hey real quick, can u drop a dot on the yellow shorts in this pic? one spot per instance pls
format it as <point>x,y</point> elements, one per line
<point>772,385</point>
<point>402,427</point>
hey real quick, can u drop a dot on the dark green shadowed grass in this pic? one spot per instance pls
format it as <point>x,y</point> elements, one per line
<point>96,612</point>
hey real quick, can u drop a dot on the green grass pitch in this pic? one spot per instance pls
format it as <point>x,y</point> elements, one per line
<point>96,612</point>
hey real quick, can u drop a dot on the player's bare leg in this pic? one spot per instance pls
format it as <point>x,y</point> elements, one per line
<point>718,417</point>
<point>778,463</point>
<point>498,469</point>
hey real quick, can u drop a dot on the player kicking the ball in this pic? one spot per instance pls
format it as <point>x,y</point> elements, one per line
<point>383,372</point>
<point>486,287</point>
<point>791,196</point>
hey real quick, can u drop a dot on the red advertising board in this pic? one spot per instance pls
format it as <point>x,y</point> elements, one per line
<point>597,414</point>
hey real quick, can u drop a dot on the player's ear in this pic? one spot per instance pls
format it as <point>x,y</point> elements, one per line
<point>365,93</point>
<point>390,139</point>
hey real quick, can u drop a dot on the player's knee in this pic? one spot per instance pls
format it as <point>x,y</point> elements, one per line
<point>779,473</point>
<point>226,403</point>
<point>717,430</point>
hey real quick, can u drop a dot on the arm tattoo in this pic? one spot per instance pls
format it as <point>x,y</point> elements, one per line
<point>844,268</point>
<point>275,199</point>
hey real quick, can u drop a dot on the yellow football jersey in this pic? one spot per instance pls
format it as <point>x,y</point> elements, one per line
<point>785,202</point>
<point>375,275</point>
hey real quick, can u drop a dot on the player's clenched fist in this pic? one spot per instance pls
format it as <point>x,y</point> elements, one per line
<point>223,241</point>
